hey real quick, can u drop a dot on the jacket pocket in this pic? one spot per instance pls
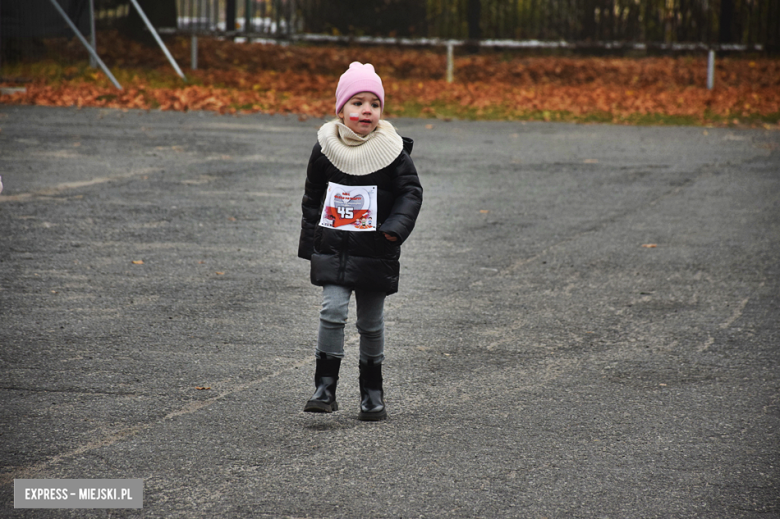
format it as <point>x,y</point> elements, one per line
<point>385,248</point>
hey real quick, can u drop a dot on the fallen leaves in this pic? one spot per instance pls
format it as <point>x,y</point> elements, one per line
<point>245,78</point>
<point>138,262</point>
<point>649,245</point>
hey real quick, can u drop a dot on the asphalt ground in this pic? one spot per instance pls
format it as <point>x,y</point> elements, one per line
<point>587,322</point>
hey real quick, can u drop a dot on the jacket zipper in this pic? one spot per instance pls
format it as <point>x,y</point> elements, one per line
<point>343,257</point>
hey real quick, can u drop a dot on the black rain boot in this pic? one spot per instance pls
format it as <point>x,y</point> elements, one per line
<point>326,377</point>
<point>372,402</point>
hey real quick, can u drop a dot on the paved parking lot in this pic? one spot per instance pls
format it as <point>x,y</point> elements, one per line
<point>587,322</point>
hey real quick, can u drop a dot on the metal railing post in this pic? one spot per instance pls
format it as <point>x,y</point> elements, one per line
<point>194,51</point>
<point>157,38</point>
<point>450,62</point>
<point>86,44</point>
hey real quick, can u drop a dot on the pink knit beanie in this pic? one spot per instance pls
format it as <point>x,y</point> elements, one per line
<point>359,78</point>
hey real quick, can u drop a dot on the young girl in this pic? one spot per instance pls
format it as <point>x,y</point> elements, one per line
<point>361,201</point>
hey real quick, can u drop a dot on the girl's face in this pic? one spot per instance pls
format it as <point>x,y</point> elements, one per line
<point>361,113</point>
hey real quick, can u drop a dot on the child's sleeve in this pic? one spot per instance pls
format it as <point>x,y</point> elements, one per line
<point>408,193</point>
<point>314,190</point>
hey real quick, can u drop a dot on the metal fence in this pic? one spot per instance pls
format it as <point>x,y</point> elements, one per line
<point>271,18</point>
<point>745,24</point>
<point>742,22</point>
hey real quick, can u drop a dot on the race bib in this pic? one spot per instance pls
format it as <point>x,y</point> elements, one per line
<point>350,208</point>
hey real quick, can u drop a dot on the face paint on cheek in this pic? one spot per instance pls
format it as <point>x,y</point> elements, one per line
<point>354,117</point>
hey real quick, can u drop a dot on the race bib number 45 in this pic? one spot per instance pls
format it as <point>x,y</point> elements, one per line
<point>350,208</point>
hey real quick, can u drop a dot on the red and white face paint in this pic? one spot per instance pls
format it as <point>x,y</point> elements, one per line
<point>361,113</point>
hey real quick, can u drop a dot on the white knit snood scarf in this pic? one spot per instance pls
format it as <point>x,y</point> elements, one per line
<point>358,155</point>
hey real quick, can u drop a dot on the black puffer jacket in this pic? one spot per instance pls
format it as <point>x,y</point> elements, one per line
<point>360,260</point>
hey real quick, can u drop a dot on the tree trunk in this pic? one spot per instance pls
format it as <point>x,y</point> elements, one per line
<point>230,16</point>
<point>726,20</point>
<point>473,18</point>
<point>161,13</point>
<point>589,21</point>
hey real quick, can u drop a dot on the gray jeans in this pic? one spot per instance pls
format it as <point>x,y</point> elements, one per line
<point>370,322</point>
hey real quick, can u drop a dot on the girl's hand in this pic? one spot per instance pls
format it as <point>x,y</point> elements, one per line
<point>390,237</point>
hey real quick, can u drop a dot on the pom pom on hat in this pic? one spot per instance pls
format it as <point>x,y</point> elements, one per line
<point>359,78</point>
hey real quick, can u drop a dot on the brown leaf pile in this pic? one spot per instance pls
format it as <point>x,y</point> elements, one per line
<point>302,79</point>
